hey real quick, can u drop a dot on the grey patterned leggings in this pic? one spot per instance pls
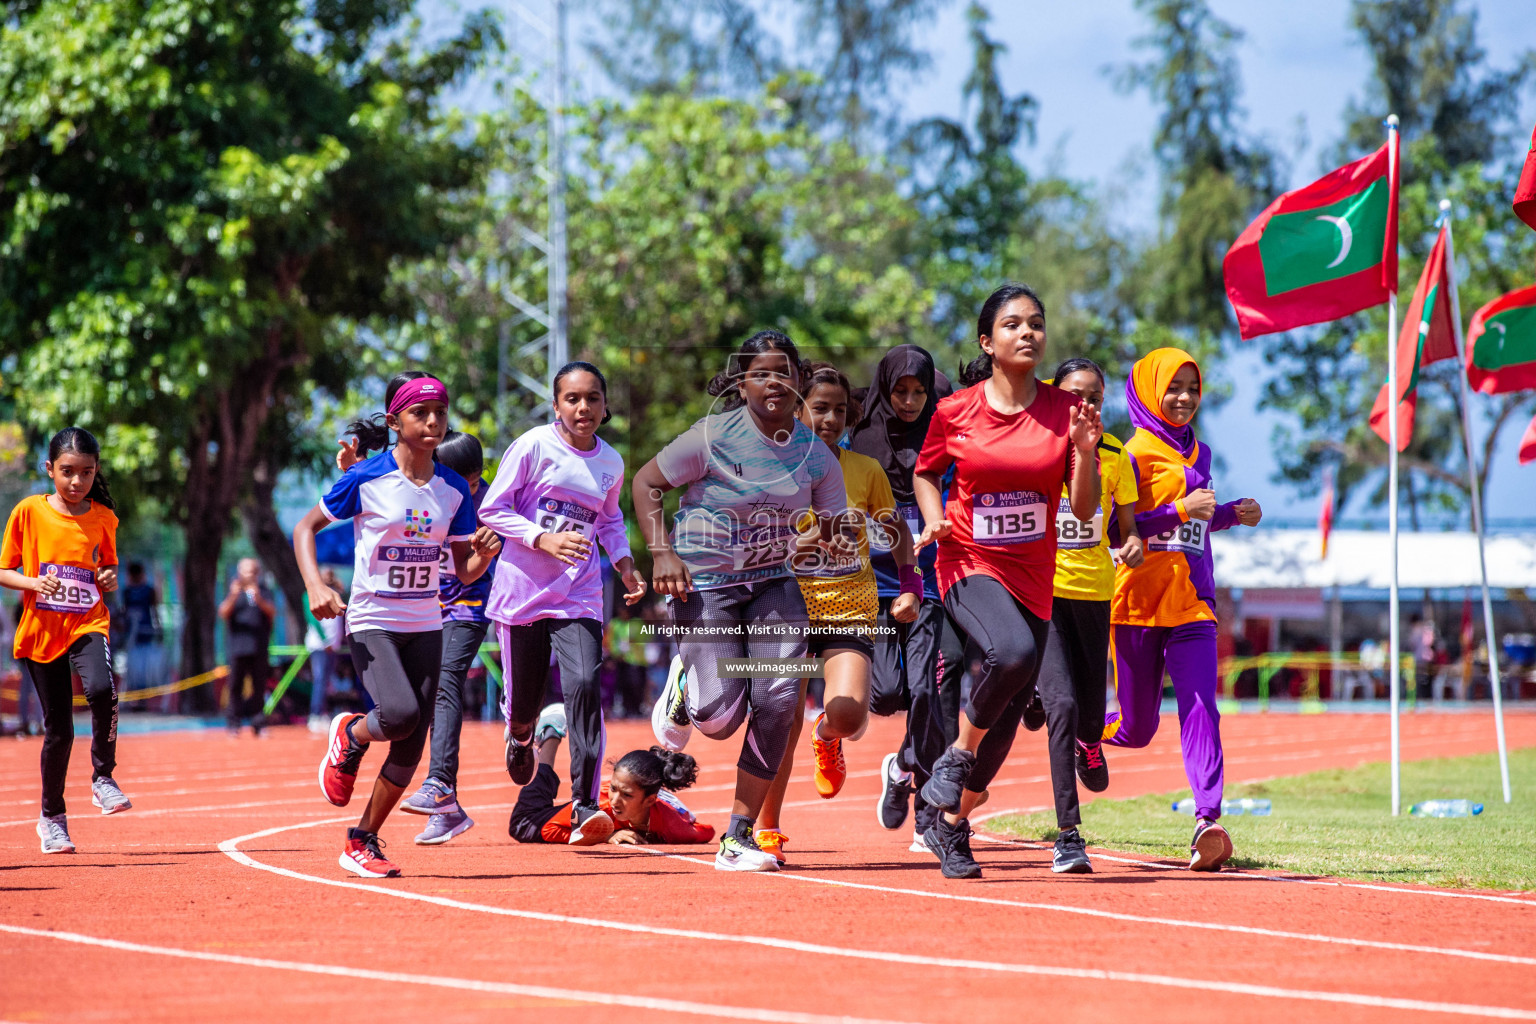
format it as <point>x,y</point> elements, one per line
<point>715,624</point>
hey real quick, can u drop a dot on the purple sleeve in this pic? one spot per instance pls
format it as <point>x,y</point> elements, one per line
<point>610,524</point>
<point>1158,520</point>
<point>499,509</point>
<point>1226,515</point>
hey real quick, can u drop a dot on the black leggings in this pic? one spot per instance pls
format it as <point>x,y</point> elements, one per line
<point>1010,638</point>
<point>535,806</point>
<point>461,642</point>
<point>255,670</point>
<point>1073,674</point>
<point>88,657</point>
<point>399,671</point>
<point>578,647</point>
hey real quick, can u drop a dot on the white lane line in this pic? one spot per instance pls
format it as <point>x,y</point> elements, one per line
<point>1237,873</point>
<point>230,847</point>
<point>1112,915</point>
<point>462,984</point>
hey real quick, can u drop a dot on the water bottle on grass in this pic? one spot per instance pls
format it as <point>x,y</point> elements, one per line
<point>1445,809</point>
<point>1257,806</point>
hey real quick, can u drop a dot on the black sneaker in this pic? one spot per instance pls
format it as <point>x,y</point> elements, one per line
<point>952,845</point>
<point>1092,769</point>
<point>947,780</point>
<point>1210,848</point>
<point>1034,713</point>
<point>522,760</point>
<point>895,796</point>
<point>1070,857</point>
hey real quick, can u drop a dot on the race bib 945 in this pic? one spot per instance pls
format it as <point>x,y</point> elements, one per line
<point>558,516</point>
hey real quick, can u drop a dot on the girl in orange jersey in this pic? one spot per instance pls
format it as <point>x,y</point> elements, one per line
<point>1163,615</point>
<point>60,551</point>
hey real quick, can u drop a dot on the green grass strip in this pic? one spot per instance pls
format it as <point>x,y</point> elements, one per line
<point>1338,823</point>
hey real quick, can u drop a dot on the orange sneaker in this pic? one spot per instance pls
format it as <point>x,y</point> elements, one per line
<point>772,841</point>
<point>831,771</point>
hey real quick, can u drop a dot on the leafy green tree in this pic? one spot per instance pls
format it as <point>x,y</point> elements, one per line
<point>198,190</point>
<point>1460,141</point>
<point>1213,177</point>
<point>838,68</point>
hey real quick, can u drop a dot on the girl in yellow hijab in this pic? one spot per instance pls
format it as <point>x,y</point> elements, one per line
<point>1163,616</point>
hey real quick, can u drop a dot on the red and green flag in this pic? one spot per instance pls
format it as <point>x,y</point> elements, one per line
<point>1428,336</point>
<point>1525,191</point>
<point>1501,344</point>
<point>1318,253</point>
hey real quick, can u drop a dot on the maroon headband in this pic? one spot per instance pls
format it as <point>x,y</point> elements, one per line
<point>421,389</point>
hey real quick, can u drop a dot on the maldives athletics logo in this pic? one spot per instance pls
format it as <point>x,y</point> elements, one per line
<point>417,523</point>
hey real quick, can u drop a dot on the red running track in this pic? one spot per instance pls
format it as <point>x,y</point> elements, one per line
<point>218,897</point>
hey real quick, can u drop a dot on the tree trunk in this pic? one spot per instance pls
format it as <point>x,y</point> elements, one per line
<point>199,589</point>
<point>273,546</point>
<point>221,456</point>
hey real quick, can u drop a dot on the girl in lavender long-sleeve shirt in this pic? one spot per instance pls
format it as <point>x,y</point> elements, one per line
<point>1163,614</point>
<point>556,491</point>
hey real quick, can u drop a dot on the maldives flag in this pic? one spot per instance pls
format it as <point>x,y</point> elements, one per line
<point>1428,336</point>
<point>1501,344</point>
<point>1318,253</point>
<point>1528,444</point>
<point>1525,192</point>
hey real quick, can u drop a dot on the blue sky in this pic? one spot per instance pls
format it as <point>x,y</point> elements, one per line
<point>1300,65</point>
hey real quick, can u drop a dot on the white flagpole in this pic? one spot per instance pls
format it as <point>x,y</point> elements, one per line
<point>1394,645</point>
<point>1489,631</point>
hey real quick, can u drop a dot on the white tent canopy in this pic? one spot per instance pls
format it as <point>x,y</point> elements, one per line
<point>1277,559</point>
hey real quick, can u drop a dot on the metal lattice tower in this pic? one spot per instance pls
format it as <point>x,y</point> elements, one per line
<point>536,36</point>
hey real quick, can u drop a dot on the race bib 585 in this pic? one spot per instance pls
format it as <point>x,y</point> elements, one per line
<point>1073,533</point>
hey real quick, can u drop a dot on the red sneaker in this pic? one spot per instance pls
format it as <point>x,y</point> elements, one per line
<point>362,856</point>
<point>338,768</point>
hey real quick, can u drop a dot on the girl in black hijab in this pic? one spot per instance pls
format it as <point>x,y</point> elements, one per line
<point>916,670</point>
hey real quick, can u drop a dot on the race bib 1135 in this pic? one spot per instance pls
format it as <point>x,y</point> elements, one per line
<point>1008,517</point>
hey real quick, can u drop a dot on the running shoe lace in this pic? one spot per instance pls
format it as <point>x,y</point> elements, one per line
<point>772,837</point>
<point>56,832</point>
<point>678,712</point>
<point>829,755</point>
<point>375,846</point>
<point>1093,755</point>
<point>352,759</point>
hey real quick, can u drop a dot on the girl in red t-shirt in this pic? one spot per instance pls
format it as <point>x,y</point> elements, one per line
<point>1013,442</point>
<point>638,797</point>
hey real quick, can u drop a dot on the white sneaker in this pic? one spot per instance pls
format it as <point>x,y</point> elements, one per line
<point>918,846</point>
<point>735,855</point>
<point>108,796</point>
<point>669,716</point>
<point>54,832</point>
<point>595,828</point>
<point>551,723</point>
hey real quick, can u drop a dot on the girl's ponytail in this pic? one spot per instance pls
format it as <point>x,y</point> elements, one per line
<point>83,442</point>
<point>659,768</point>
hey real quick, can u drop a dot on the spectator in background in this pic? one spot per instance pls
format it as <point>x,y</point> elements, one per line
<point>1424,643</point>
<point>323,641</point>
<point>248,614</point>
<point>142,637</point>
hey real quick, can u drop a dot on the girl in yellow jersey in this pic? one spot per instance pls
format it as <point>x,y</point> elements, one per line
<point>1073,667</point>
<point>842,601</point>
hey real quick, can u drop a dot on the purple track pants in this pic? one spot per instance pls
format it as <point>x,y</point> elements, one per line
<point>1188,652</point>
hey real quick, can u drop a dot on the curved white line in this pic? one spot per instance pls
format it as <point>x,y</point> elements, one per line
<point>566,995</point>
<point>1346,234</point>
<point>230,847</point>
<point>1111,915</point>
